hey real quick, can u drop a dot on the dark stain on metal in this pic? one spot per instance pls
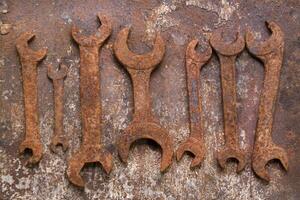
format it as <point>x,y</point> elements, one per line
<point>195,142</point>
<point>144,125</point>
<point>270,52</point>
<point>29,61</point>
<point>91,150</point>
<point>58,77</point>
<point>227,53</point>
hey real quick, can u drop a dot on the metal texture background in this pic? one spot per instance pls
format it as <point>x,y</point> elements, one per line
<point>179,22</point>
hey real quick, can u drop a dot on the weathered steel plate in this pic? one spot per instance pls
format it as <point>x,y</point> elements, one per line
<point>179,21</point>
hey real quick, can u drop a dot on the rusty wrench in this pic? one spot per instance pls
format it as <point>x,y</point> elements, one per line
<point>29,61</point>
<point>143,125</point>
<point>57,77</point>
<point>270,53</point>
<point>227,53</point>
<point>195,143</point>
<point>91,149</point>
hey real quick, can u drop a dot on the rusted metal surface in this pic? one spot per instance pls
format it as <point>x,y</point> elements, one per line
<point>227,53</point>
<point>144,125</point>
<point>59,138</point>
<point>29,60</point>
<point>195,143</point>
<point>91,149</point>
<point>178,22</point>
<point>270,52</point>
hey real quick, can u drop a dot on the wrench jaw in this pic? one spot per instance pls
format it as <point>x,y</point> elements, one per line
<point>261,157</point>
<point>146,130</point>
<point>136,61</point>
<point>59,141</point>
<point>193,56</point>
<point>102,34</point>
<point>271,45</point>
<point>227,49</point>
<point>35,147</point>
<point>194,146</point>
<point>60,74</point>
<point>230,153</point>
<point>26,53</point>
<point>88,154</point>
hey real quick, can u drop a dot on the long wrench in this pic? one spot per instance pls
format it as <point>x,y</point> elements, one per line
<point>29,61</point>
<point>144,125</point>
<point>227,53</point>
<point>57,77</point>
<point>195,143</point>
<point>270,52</point>
<point>91,149</point>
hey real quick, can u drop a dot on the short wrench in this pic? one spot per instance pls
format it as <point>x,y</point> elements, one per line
<point>195,143</point>
<point>29,61</point>
<point>144,125</point>
<point>57,77</point>
<point>270,52</point>
<point>91,149</point>
<point>227,53</point>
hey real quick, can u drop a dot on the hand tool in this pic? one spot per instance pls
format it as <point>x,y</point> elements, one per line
<point>144,125</point>
<point>227,53</point>
<point>270,52</point>
<point>29,61</point>
<point>91,149</point>
<point>58,77</point>
<point>195,143</point>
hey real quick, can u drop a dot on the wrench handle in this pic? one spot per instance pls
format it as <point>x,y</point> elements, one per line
<point>141,93</point>
<point>194,98</point>
<point>90,95</point>
<point>59,106</point>
<point>29,75</point>
<point>268,99</point>
<point>229,99</point>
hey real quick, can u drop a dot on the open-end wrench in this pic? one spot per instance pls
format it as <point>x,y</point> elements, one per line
<point>227,53</point>
<point>29,61</point>
<point>91,149</point>
<point>195,143</point>
<point>57,77</point>
<point>144,125</point>
<point>270,52</point>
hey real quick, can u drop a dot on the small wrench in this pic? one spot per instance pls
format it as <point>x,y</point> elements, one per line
<point>58,84</point>
<point>29,61</point>
<point>91,150</point>
<point>270,52</point>
<point>227,53</point>
<point>195,143</point>
<point>144,125</point>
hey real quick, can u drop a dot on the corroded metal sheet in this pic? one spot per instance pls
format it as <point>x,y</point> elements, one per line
<point>179,22</point>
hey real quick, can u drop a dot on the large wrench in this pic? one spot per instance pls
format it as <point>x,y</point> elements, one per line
<point>91,149</point>
<point>29,60</point>
<point>57,77</point>
<point>227,53</point>
<point>195,143</point>
<point>270,52</point>
<point>144,125</point>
